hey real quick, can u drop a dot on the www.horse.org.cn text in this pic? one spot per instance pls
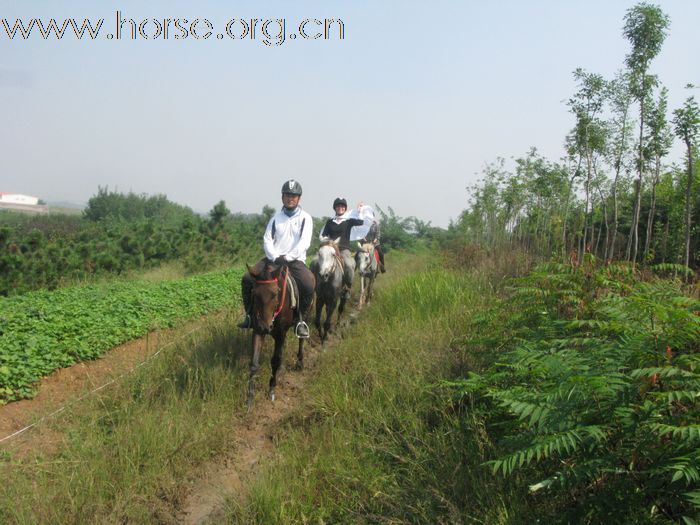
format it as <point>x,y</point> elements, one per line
<point>270,32</point>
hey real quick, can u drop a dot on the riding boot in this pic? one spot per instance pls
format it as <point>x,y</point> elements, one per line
<point>246,293</point>
<point>382,267</point>
<point>302,329</point>
<point>247,322</point>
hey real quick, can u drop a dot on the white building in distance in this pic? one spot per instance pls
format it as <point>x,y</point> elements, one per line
<point>16,198</point>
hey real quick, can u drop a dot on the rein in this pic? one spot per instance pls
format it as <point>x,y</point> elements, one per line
<point>284,290</point>
<point>371,255</point>
<point>338,261</point>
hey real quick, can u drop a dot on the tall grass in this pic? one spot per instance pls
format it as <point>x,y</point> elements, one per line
<point>378,441</point>
<point>124,454</point>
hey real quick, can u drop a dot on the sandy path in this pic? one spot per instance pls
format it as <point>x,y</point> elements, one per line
<point>253,437</point>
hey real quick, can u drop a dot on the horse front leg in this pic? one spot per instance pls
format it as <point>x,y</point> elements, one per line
<point>362,291</point>
<point>317,320</point>
<point>256,343</point>
<point>341,306</point>
<point>330,308</point>
<point>276,362</point>
<point>300,356</point>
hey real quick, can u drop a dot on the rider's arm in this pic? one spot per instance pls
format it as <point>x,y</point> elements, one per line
<point>323,234</point>
<point>298,252</point>
<point>269,243</point>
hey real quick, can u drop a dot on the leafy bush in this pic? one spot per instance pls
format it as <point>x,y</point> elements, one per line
<point>595,396</point>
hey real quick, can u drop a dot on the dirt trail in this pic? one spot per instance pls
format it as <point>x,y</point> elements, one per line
<point>253,438</point>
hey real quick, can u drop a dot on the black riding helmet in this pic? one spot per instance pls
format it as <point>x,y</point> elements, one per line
<point>340,202</point>
<point>292,187</point>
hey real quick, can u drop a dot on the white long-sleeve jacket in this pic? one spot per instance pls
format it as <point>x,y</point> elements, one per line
<point>288,236</point>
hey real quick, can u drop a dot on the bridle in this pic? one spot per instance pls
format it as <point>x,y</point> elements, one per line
<point>276,281</point>
<point>368,250</point>
<point>337,260</point>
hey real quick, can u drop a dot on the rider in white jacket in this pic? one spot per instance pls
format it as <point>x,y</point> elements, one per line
<point>286,240</point>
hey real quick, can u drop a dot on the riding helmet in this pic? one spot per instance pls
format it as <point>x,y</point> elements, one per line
<point>340,202</point>
<point>292,187</point>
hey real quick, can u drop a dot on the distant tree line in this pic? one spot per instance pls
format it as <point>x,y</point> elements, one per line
<point>615,194</point>
<point>118,233</point>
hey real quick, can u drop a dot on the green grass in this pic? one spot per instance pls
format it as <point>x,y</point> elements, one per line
<point>125,454</point>
<point>378,440</point>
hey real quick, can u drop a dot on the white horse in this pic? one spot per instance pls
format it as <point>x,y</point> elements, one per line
<point>328,268</point>
<point>367,267</point>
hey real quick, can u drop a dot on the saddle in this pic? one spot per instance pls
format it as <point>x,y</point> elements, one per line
<point>292,288</point>
<point>293,291</point>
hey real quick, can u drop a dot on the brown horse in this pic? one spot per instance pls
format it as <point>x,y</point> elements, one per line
<point>271,314</point>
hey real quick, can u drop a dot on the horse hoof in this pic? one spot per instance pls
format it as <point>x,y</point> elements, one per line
<point>272,395</point>
<point>299,366</point>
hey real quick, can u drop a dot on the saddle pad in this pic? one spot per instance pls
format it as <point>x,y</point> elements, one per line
<point>293,291</point>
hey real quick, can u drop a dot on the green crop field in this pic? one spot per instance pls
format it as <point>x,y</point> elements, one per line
<point>45,330</point>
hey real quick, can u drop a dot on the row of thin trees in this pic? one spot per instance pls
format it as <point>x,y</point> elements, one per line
<point>615,194</point>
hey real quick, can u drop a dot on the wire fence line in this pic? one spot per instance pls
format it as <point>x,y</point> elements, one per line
<point>95,390</point>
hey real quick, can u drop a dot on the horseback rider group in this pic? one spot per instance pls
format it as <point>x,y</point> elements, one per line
<point>287,239</point>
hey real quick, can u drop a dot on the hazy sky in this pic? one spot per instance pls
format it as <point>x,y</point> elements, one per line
<point>404,112</point>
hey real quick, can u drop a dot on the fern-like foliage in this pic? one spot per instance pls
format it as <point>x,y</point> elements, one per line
<point>595,393</point>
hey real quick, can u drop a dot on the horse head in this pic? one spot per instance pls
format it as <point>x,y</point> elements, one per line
<point>364,258</point>
<point>328,259</point>
<point>266,296</point>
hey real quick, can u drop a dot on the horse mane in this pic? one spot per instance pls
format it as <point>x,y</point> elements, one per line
<point>270,271</point>
<point>330,242</point>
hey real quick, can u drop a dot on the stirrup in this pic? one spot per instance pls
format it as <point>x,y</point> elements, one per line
<point>302,330</point>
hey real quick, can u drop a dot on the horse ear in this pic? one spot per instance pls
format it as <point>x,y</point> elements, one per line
<point>359,245</point>
<point>250,270</point>
<point>336,241</point>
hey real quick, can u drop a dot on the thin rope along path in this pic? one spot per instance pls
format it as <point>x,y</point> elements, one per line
<point>94,391</point>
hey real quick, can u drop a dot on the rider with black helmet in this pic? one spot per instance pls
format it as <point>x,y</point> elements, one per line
<point>338,228</point>
<point>373,237</point>
<point>286,240</point>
